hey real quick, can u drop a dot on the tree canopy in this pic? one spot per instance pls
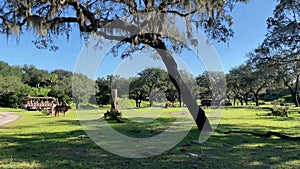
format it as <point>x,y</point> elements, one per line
<point>280,48</point>
<point>123,20</point>
<point>51,18</point>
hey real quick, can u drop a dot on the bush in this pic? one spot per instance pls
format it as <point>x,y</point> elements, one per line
<point>262,103</point>
<point>288,99</point>
<point>13,101</point>
<point>280,110</point>
<point>45,112</point>
<point>103,99</point>
<point>9,100</point>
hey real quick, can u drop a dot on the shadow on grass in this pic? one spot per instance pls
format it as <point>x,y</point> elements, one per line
<point>65,149</point>
<point>244,151</point>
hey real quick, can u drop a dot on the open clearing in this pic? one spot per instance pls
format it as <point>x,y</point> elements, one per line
<point>38,141</point>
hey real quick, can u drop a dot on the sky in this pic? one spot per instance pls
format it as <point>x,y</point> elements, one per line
<point>249,27</point>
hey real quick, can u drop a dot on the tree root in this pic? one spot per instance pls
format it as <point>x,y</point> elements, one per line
<point>112,116</point>
<point>265,135</point>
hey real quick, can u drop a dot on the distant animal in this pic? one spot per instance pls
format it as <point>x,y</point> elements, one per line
<point>169,104</point>
<point>61,108</point>
<point>206,102</point>
<point>225,103</point>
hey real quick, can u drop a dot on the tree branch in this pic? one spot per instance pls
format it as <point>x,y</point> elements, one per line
<point>180,14</point>
<point>112,37</point>
<point>63,20</point>
<point>266,135</point>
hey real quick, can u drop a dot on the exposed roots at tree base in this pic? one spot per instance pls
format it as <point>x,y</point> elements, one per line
<point>113,116</point>
<point>265,135</point>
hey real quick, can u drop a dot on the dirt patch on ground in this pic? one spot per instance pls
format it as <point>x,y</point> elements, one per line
<point>179,114</point>
<point>6,117</point>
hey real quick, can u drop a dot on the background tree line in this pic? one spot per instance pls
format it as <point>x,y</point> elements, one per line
<point>251,81</point>
<point>17,81</point>
<point>274,66</point>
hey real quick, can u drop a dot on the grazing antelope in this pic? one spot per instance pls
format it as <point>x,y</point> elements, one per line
<point>61,108</point>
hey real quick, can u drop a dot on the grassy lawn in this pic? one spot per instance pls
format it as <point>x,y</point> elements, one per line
<point>37,141</point>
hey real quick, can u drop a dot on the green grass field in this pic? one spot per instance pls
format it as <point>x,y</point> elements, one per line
<point>38,141</point>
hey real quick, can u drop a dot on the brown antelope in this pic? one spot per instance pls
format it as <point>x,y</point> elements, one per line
<point>61,108</point>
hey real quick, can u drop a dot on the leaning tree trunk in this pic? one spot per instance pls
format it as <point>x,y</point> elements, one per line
<point>294,91</point>
<point>197,113</point>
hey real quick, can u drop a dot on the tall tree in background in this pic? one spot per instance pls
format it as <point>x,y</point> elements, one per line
<point>288,74</point>
<point>239,82</point>
<point>152,78</point>
<point>34,77</point>
<point>83,89</point>
<point>119,83</point>
<point>7,70</point>
<point>284,30</point>
<point>204,85</point>
<point>138,90</point>
<point>49,19</point>
<point>62,90</point>
<point>281,47</point>
<point>62,74</point>
<point>103,95</point>
<point>262,75</point>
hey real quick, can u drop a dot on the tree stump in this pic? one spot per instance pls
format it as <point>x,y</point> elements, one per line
<point>114,112</point>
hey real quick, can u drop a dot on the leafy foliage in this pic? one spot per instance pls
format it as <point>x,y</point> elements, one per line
<point>82,88</point>
<point>50,18</point>
<point>284,26</point>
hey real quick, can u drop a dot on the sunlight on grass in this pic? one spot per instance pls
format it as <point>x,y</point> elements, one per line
<point>38,141</point>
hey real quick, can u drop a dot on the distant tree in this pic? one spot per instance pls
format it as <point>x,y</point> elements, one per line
<point>53,79</point>
<point>212,84</point>
<point>119,83</point>
<point>281,47</point>
<point>11,88</point>
<point>48,19</point>
<point>34,77</point>
<point>7,70</point>
<point>233,88</point>
<point>83,89</point>
<point>152,78</point>
<point>62,90</point>
<point>62,74</point>
<point>262,76</point>
<point>103,95</point>
<point>138,90</point>
<point>217,81</point>
<point>289,75</point>
<point>9,100</point>
<point>239,81</point>
<point>10,84</point>
<point>204,85</point>
<point>191,82</point>
<point>283,30</point>
<point>170,91</point>
<point>285,70</point>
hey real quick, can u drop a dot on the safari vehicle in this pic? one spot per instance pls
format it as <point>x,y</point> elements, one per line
<point>37,103</point>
